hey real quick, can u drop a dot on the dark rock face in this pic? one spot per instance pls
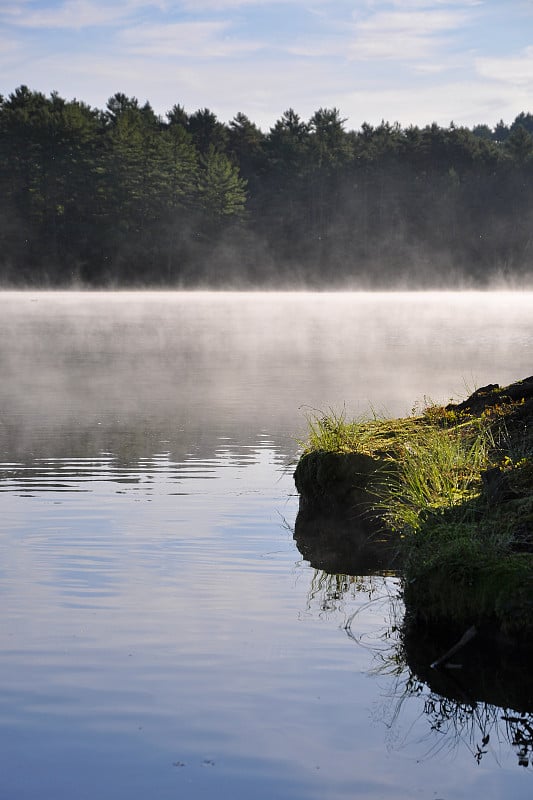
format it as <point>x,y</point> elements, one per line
<point>339,481</point>
<point>338,529</point>
<point>497,486</point>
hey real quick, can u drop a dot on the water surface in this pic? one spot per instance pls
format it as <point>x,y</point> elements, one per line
<point>161,634</point>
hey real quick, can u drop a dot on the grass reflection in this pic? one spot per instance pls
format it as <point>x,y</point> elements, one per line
<point>332,592</point>
<point>482,701</point>
<point>453,724</point>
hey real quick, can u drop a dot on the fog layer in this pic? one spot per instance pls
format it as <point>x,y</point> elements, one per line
<point>139,369</point>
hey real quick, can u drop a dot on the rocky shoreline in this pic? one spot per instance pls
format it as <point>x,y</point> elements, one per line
<point>444,498</point>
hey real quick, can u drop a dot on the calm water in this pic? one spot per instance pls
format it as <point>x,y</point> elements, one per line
<point>161,635</point>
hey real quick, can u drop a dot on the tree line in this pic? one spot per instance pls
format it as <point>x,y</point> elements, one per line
<point>124,197</point>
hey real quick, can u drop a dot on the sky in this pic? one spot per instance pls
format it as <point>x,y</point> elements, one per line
<point>407,61</point>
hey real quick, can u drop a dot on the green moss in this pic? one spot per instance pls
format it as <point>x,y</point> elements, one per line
<point>467,585</point>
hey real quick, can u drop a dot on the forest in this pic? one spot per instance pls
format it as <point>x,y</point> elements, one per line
<point>123,197</point>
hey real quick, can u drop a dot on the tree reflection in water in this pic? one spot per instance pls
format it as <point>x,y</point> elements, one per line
<point>482,701</point>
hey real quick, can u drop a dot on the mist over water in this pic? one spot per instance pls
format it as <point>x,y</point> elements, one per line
<point>238,359</point>
<point>161,635</point>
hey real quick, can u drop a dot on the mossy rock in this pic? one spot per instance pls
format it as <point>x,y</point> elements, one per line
<point>464,590</point>
<point>328,479</point>
<point>494,396</point>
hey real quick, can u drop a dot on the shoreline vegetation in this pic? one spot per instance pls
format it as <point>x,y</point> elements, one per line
<point>446,496</point>
<point>122,197</point>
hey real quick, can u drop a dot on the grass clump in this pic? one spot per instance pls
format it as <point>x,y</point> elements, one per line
<point>331,432</point>
<point>438,468</point>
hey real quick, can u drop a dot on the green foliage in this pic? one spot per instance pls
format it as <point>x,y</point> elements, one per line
<point>519,145</point>
<point>245,145</point>
<point>221,191</point>
<point>207,132</point>
<point>452,572</point>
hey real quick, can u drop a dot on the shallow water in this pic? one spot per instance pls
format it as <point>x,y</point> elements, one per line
<point>161,635</point>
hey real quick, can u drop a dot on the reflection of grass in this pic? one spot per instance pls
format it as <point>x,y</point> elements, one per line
<point>331,591</point>
<point>456,720</point>
<point>480,727</point>
<point>449,698</point>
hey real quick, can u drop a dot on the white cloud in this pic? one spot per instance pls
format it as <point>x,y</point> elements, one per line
<point>266,88</point>
<point>191,39</point>
<point>426,5</point>
<point>8,48</point>
<point>415,22</point>
<point>73,14</point>
<point>467,102</point>
<point>221,6</point>
<point>318,47</point>
<point>404,35</point>
<point>515,70</point>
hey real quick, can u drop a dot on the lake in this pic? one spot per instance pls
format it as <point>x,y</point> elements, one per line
<point>161,634</point>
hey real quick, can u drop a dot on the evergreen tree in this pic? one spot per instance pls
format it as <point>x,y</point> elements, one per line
<point>206,131</point>
<point>519,145</point>
<point>221,191</point>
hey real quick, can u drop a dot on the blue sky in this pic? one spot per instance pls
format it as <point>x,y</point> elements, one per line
<point>411,61</point>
